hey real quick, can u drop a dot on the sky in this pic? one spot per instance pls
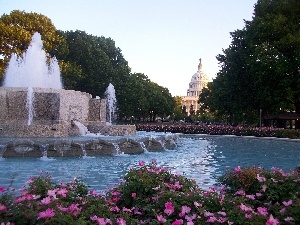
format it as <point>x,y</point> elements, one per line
<point>164,39</point>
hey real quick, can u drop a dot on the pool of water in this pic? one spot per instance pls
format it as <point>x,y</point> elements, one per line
<point>200,157</point>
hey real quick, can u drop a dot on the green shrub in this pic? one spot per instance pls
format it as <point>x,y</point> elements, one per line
<point>153,195</point>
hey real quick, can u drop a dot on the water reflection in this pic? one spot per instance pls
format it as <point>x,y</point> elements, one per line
<point>202,158</point>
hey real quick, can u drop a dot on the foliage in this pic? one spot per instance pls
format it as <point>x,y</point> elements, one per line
<point>150,194</point>
<point>178,110</point>
<point>97,62</point>
<point>221,130</point>
<point>148,188</point>
<point>260,68</point>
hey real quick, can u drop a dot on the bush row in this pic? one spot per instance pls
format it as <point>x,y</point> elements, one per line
<point>149,194</point>
<point>220,130</point>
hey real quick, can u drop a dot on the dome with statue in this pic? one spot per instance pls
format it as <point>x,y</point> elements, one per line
<point>198,81</point>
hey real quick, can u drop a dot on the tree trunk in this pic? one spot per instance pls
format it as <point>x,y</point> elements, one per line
<point>297,122</point>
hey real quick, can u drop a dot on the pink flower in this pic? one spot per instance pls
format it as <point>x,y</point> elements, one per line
<point>64,209</point>
<point>136,211</point>
<point>126,210</point>
<point>141,163</point>
<point>51,193</point>
<point>211,219</point>
<point>74,209</point>
<point>115,193</point>
<point>93,193</point>
<point>190,218</point>
<point>237,170</point>
<point>2,189</point>
<point>288,203</point>
<point>156,188</point>
<point>240,192</point>
<point>279,171</point>
<point>121,221</point>
<point>248,216</point>
<point>115,199</point>
<point>258,194</point>
<point>63,192</point>
<point>161,219</point>
<point>101,221</point>
<point>252,197</point>
<point>184,210</point>
<point>46,201</point>
<point>114,209</point>
<point>133,195</point>
<point>32,197</point>
<point>282,211</point>
<point>222,213</point>
<point>289,219</point>
<point>20,199</point>
<point>208,214</point>
<point>169,208</point>
<point>245,208</point>
<point>177,185</point>
<point>196,204</point>
<point>260,179</point>
<point>3,208</point>
<point>177,222</point>
<point>262,210</point>
<point>272,221</point>
<point>48,213</point>
<point>189,223</point>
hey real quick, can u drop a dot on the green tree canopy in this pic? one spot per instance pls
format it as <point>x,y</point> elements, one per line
<point>99,60</point>
<point>178,112</point>
<point>261,67</point>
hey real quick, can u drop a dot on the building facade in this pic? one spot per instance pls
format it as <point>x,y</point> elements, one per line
<point>198,81</point>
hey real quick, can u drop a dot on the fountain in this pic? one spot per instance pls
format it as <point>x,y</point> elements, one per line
<point>32,69</point>
<point>111,103</point>
<point>35,107</point>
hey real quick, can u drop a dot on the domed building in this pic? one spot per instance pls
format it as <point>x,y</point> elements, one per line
<point>198,82</point>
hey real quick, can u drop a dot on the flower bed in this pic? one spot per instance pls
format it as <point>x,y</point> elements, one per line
<point>220,130</point>
<point>149,194</point>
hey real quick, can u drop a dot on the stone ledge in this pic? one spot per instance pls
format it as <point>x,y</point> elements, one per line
<point>64,147</point>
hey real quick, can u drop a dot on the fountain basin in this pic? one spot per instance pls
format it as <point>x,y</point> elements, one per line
<point>199,157</point>
<point>83,146</point>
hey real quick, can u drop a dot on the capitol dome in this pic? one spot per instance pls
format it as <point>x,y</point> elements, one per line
<point>198,82</point>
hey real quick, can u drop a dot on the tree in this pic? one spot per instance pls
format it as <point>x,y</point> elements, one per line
<point>134,99</point>
<point>161,102</point>
<point>260,68</point>
<point>16,30</point>
<point>178,114</point>
<point>275,36</point>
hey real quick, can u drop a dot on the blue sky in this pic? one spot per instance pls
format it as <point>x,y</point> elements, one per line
<point>163,39</point>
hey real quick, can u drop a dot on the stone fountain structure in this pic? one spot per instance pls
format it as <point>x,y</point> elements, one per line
<point>38,117</point>
<point>33,103</point>
<point>54,112</point>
